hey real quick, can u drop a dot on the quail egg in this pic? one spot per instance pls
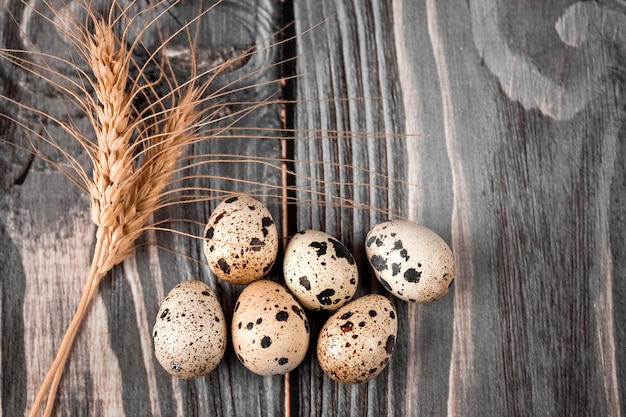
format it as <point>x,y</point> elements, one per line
<point>356,342</point>
<point>240,240</point>
<point>411,261</point>
<point>270,330</point>
<point>190,331</point>
<point>319,271</point>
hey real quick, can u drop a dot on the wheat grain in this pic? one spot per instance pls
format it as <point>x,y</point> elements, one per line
<point>113,165</point>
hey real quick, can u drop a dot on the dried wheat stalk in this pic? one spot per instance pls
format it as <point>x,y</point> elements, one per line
<point>125,190</point>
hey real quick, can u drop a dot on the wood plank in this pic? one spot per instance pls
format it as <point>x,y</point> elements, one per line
<point>350,86</point>
<point>517,163</point>
<point>47,237</point>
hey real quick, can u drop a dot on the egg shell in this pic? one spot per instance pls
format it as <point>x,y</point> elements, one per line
<point>411,261</point>
<point>356,342</point>
<point>270,330</point>
<point>320,271</point>
<point>240,240</point>
<point>190,332</point>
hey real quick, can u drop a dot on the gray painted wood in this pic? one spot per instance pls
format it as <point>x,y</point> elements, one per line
<point>520,112</point>
<point>500,125</point>
<point>47,237</point>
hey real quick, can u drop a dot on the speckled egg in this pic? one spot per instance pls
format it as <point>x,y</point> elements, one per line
<point>190,331</point>
<point>319,271</point>
<point>270,331</point>
<point>240,240</point>
<point>411,261</point>
<point>356,342</point>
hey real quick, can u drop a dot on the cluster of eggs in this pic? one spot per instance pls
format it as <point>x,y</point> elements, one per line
<point>270,331</point>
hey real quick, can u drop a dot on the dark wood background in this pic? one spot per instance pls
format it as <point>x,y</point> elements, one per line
<point>498,124</point>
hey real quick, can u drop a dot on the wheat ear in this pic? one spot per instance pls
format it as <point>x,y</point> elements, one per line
<point>124,190</point>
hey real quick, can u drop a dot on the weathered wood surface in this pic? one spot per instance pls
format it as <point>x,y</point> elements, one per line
<point>514,115</point>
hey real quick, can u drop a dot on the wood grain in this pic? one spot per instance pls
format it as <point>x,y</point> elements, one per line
<point>516,160</point>
<point>500,125</point>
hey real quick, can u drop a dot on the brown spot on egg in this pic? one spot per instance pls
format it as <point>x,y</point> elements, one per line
<point>412,275</point>
<point>219,217</point>
<point>304,281</point>
<point>341,251</point>
<point>223,265</point>
<point>256,244</point>
<point>378,263</point>
<point>347,327</point>
<point>321,247</point>
<point>391,341</point>
<point>324,296</point>
<point>266,342</point>
<point>297,310</point>
<point>346,315</point>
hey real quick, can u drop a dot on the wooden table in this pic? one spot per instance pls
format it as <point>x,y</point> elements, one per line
<point>500,125</point>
